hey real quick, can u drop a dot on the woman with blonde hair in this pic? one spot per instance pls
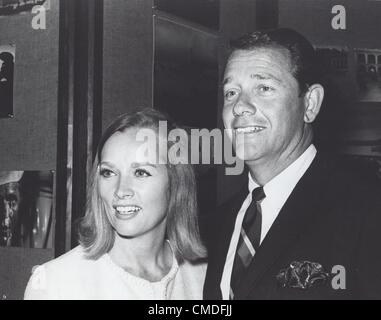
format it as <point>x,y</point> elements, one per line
<point>139,238</point>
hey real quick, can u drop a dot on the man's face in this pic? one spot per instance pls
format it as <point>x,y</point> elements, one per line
<point>262,105</point>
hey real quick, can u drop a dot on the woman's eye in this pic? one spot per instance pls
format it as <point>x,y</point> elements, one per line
<point>142,173</point>
<point>106,173</point>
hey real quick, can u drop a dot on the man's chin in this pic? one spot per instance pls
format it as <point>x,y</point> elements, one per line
<point>247,154</point>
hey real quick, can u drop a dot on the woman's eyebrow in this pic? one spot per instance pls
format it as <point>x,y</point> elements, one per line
<point>142,164</point>
<point>106,163</point>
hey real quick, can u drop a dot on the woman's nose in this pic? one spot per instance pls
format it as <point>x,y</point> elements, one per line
<point>124,189</point>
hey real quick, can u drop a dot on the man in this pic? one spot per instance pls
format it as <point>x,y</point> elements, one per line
<point>306,226</point>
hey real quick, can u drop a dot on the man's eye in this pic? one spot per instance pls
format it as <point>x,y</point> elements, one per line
<point>142,173</point>
<point>229,94</point>
<point>106,173</point>
<point>265,89</point>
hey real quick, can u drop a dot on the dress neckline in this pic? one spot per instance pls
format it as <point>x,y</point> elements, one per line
<point>129,276</point>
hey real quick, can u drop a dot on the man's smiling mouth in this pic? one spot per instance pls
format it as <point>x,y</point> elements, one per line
<point>251,129</point>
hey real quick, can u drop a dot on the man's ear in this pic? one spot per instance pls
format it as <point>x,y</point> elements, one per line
<point>313,100</point>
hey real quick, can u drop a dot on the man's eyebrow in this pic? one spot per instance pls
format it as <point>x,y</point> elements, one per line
<point>264,76</point>
<point>142,164</point>
<point>226,80</point>
<point>258,76</point>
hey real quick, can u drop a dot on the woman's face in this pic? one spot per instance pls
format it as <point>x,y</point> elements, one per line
<point>134,191</point>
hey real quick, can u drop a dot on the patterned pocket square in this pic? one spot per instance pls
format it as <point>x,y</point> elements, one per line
<point>302,275</point>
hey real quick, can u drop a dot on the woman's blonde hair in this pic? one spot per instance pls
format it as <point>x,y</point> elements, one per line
<point>95,231</point>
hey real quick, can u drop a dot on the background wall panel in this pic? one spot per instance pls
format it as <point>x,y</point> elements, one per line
<point>313,19</point>
<point>127,56</point>
<point>15,273</point>
<point>28,141</point>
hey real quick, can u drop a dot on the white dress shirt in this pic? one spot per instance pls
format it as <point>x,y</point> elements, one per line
<point>277,190</point>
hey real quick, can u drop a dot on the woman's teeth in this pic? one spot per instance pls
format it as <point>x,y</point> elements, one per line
<point>127,209</point>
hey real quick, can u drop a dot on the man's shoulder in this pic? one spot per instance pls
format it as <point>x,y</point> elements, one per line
<point>236,199</point>
<point>216,221</point>
<point>351,183</point>
<point>356,172</point>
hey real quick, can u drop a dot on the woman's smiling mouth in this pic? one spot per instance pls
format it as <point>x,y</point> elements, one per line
<point>126,211</point>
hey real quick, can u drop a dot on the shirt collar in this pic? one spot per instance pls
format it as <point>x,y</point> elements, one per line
<point>289,177</point>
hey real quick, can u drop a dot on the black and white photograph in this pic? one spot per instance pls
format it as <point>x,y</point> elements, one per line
<point>26,209</point>
<point>7,65</point>
<point>211,151</point>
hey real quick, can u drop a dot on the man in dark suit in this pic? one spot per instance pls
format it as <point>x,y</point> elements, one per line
<point>306,226</point>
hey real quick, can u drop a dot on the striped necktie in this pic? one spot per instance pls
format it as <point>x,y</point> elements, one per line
<point>249,239</point>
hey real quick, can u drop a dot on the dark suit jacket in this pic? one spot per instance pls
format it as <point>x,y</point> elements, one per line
<point>332,217</point>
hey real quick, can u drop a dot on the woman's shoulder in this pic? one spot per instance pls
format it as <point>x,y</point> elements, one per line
<point>194,268</point>
<point>67,270</point>
<point>189,280</point>
<point>71,259</point>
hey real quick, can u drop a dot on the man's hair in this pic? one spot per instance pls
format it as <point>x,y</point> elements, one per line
<point>301,53</point>
<point>96,234</point>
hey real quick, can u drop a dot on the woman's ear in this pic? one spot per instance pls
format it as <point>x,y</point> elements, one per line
<point>313,100</point>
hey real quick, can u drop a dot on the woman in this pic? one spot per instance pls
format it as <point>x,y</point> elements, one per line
<point>140,232</point>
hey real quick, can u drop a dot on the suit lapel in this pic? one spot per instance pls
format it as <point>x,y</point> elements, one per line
<point>287,227</point>
<point>228,214</point>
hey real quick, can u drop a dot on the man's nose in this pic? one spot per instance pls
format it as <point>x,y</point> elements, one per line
<point>244,107</point>
<point>125,188</point>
